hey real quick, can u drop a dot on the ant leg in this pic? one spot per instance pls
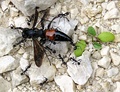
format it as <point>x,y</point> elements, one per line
<point>44,81</point>
<point>59,15</point>
<point>19,42</point>
<point>26,69</point>
<point>63,62</point>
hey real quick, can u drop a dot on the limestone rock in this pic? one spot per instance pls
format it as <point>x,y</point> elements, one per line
<point>38,75</point>
<point>112,72</point>
<point>4,85</point>
<point>7,63</point>
<point>17,78</point>
<point>115,58</point>
<point>7,38</point>
<point>27,7</point>
<point>104,62</point>
<point>118,87</point>
<point>65,83</point>
<point>80,73</point>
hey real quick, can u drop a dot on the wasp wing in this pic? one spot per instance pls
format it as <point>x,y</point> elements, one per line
<point>38,52</point>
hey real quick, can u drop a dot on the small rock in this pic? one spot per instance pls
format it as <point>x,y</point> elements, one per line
<point>96,55</point>
<point>113,13</point>
<point>4,5</point>
<point>13,12</point>
<point>118,87</point>
<point>100,1</point>
<point>74,12</point>
<point>24,63</point>
<point>85,2</point>
<point>105,51</point>
<point>116,28</point>
<point>17,78</point>
<point>111,5</point>
<point>28,7</point>
<point>115,58</point>
<point>92,11</point>
<point>4,85</point>
<point>21,22</point>
<point>100,72</point>
<point>56,9</point>
<point>106,86</point>
<point>83,37</point>
<point>104,62</point>
<point>38,75</point>
<point>21,51</point>
<point>7,38</point>
<point>75,38</point>
<point>26,55</point>
<point>84,19</point>
<point>117,38</point>
<point>112,72</point>
<point>116,78</point>
<point>16,90</point>
<point>80,73</point>
<point>7,63</point>
<point>65,83</point>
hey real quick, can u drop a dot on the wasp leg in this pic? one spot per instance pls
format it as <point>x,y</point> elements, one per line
<point>23,40</point>
<point>59,15</point>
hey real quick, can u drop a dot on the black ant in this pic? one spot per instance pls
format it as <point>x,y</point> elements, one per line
<point>75,61</point>
<point>50,34</point>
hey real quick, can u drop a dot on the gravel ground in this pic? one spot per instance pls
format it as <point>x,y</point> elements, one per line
<point>99,70</point>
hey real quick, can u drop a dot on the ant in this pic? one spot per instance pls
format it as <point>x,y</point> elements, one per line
<point>75,61</point>
<point>50,34</point>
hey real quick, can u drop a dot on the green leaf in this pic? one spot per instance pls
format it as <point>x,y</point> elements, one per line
<point>78,52</point>
<point>91,31</point>
<point>80,47</point>
<point>106,37</point>
<point>97,45</point>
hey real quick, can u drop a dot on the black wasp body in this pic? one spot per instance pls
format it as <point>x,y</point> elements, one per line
<point>45,34</point>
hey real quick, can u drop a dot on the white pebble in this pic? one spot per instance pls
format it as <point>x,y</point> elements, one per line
<point>4,5</point>
<point>21,51</point>
<point>112,72</point>
<point>118,87</point>
<point>113,13</point>
<point>105,51</point>
<point>111,5</point>
<point>115,58</point>
<point>65,83</point>
<point>7,63</point>
<point>100,72</point>
<point>104,62</point>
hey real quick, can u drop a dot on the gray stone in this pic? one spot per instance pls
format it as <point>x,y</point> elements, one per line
<point>27,7</point>
<point>80,73</point>
<point>38,75</point>
<point>7,63</point>
<point>7,39</point>
<point>4,85</point>
<point>17,78</point>
<point>65,83</point>
<point>104,62</point>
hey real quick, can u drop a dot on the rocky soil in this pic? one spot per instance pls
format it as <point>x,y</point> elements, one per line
<point>94,71</point>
